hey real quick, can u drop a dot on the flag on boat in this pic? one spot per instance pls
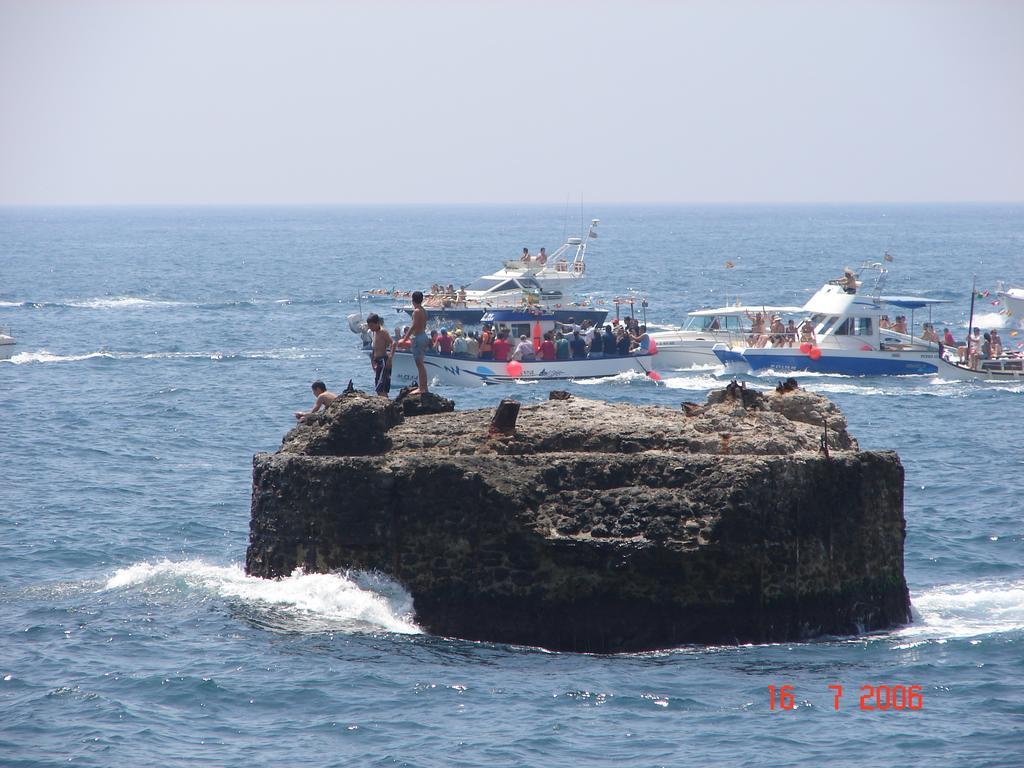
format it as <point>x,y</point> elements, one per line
<point>593,234</point>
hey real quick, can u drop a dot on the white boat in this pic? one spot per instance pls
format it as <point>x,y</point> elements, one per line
<point>1013,300</point>
<point>7,343</point>
<point>542,282</point>
<point>848,338</point>
<point>1006,367</point>
<point>998,369</point>
<point>553,273</point>
<point>692,344</point>
<point>454,370</point>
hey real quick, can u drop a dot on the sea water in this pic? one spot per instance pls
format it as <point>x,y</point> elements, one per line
<point>158,349</point>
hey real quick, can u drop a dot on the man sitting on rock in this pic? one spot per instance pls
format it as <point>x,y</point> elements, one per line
<point>323,399</point>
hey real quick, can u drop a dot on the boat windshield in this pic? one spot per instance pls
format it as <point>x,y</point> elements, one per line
<point>491,284</point>
<point>855,326</point>
<point>713,323</point>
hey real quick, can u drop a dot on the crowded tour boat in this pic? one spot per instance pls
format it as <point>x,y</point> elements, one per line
<point>525,346</point>
<point>844,333</point>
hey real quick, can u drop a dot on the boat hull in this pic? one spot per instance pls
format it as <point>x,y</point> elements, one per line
<point>676,352</point>
<point>844,362</point>
<point>991,370</point>
<point>469,372</point>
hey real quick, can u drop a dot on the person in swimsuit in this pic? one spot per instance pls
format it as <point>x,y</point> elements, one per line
<point>379,358</point>
<point>323,399</point>
<point>420,340</point>
<point>848,281</point>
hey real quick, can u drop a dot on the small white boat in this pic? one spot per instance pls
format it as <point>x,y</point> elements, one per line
<point>1006,367</point>
<point>692,344</point>
<point>454,370</point>
<point>7,343</point>
<point>997,369</point>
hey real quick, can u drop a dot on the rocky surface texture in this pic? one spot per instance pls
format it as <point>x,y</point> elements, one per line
<point>596,526</point>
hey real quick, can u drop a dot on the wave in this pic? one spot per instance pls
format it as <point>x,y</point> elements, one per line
<point>45,356</point>
<point>989,320</point>
<point>310,602</point>
<point>626,377</point>
<point>955,611</point>
<point>696,380</point>
<point>42,356</point>
<point>121,302</point>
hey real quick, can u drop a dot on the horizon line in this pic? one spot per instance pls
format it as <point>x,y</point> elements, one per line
<point>479,204</point>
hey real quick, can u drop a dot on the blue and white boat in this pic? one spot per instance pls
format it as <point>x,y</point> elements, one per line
<point>462,371</point>
<point>847,339</point>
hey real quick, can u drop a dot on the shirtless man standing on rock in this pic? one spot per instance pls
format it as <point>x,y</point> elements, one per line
<point>380,358</point>
<point>323,399</point>
<point>420,340</point>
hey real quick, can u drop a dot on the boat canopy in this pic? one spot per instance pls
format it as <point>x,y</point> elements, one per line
<point>911,302</point>
<point>741,311</point>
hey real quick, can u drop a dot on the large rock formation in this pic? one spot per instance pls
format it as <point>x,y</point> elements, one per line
<point>597,526</point>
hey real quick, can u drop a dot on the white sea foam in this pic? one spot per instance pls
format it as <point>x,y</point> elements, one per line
<point>626,377</point>
<point>693,381</point>
<point>122,302</point>
<point>966,610</point>
<point>311,602</point>
<point>989,320</point>
<point>43,356</point>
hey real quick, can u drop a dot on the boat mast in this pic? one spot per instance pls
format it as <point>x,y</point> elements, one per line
<point>581,249</point>
<point>970,317</point>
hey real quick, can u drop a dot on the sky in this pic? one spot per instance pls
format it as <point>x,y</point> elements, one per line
<point>443,101</point>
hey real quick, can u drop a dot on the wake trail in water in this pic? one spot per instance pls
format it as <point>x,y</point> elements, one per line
<point>140,302</point>
<point>313,602</point>
<point>45,356</point>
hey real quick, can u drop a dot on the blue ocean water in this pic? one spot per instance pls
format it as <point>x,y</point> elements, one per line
<point>158,349</point>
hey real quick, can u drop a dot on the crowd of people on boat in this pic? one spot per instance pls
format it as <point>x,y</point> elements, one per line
<point>570,341</point>
<point>441,295</point>
<point>765,331</point>
<point>978,347</point>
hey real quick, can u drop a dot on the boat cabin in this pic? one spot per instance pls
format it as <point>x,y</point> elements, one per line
<point>850,321</point>
<point>521,322</point>
<point>500,289</point>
